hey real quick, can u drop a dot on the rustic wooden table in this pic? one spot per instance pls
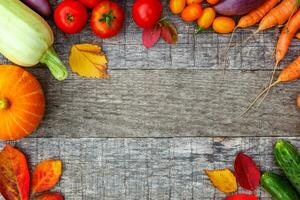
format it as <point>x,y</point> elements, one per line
<point>165,115</point>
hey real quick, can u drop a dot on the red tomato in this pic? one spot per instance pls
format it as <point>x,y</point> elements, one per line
<point>90,3</point>
<point>107,19</point>
<point>70,16</point>
<point>146,13</point>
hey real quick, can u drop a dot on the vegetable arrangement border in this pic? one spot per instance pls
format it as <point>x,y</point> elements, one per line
<point>34,43</point>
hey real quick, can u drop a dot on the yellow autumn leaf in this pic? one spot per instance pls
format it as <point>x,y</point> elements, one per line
<point>88,60</point>
<point>223,179</point>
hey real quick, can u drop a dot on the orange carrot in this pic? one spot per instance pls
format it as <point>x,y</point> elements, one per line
<point>256,15</point>
<point>288,74</point>
<point>279,15</point>
<point>298,35</point>
<point>284,42</point>
<point>286,36</point>
<point>252,18</point>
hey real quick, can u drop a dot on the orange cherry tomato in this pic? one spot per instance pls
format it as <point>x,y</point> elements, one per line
<point>223,24</point>
<point>176,6</point>
<point>193,1</point>
<point>212,2</point>
<point>191,12</point>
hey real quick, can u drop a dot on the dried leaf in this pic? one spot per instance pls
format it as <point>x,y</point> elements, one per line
<point>50,196</point>
<point>88,60</point>
<point>46,175</point>
<point>246,171</point>
<point>14,174</point>
<point>151,36</point>
<point>223,179</point>
<point>241,197</point>
<point>169,32</point>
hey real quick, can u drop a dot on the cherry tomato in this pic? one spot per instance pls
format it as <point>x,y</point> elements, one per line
<point>213,2</point>
<point>206,19</point>
<point>90,3</point>
<point>193,1</point>
<point>70,16</point>
<point>223,24</point>
<point>146,13</point>
<point>107,19</point>
<point>192,12</point>
<point>176,6</point>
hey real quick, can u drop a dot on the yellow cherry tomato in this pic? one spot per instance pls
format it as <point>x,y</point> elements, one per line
<point>206,19</point>
<point>176,6</point>
<point>192,12</point>
<point>223,24</point>
<point>188,2</point>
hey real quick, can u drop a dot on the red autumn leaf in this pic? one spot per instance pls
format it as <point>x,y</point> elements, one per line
<point>151,36</point>
<point>50,196</point>
<point>14,174</point>
<point>46,175</point>
<point>169,32</point>
<point>241,197</point>
<point>246,171</point>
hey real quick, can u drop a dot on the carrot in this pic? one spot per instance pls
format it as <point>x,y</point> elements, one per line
<point>298,35</point>
<point>252,18</point>
<point>284,41</point>
<point>278,15</point>
<point>290,73</point>
<point>256,15</point>
<point>286,36</point>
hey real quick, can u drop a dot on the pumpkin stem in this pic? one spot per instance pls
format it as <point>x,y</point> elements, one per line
<point>55,65</point>
<point>3,103</point>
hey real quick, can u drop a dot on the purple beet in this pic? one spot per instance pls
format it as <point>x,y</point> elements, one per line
<point>40,6</point>
<point>237,7</point>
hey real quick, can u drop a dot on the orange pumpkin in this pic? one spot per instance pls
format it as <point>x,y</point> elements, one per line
<point>22,102</point>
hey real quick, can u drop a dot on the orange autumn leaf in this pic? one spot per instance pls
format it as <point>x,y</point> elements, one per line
<point>223,179</point>
<point>14,174</point>
<point>46,175</point>
<point>50,196</point>
<point>88,60</point>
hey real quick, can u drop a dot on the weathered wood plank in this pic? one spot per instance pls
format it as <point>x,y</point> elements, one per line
<point>203,51</point>
<point>166,103</point>
<point>146,168</point>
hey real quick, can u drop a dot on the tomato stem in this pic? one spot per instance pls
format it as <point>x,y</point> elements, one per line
<point>108,18</point>
<point>3,103</point>
<point>70,17</point>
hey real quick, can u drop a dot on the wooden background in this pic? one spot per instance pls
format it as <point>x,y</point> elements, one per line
<point>165,115</point>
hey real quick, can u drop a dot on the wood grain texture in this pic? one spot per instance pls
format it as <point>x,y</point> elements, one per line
<point>153,94</point>
<point>166,103</point>
<point>146,168</point>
